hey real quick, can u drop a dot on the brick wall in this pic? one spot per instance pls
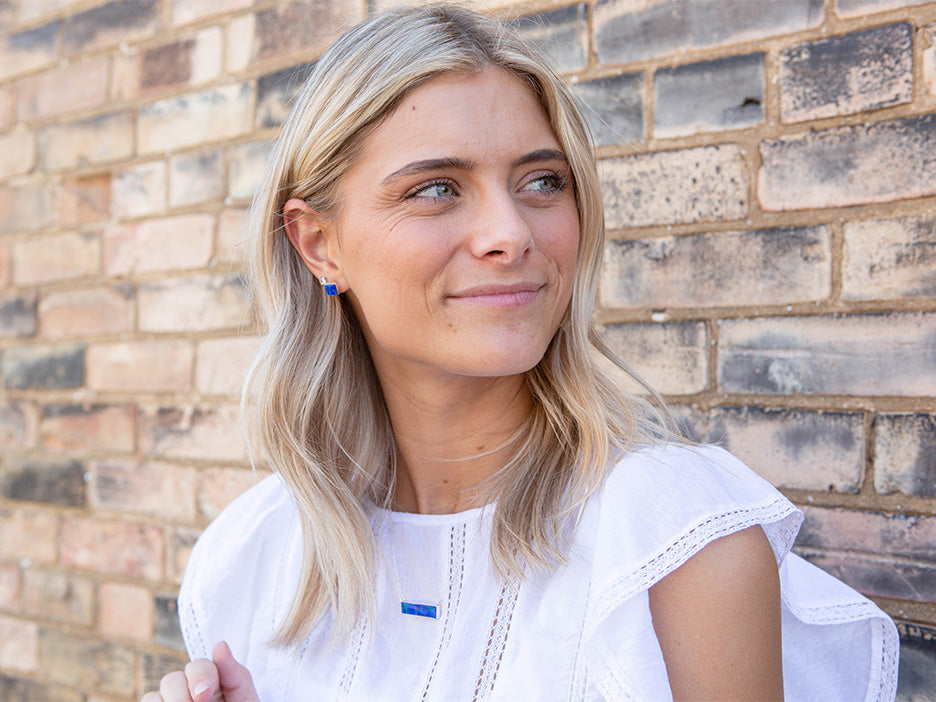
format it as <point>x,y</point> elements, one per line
<point>769,170</point>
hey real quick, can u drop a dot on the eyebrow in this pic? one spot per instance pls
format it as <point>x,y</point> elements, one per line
<point>436,164</point>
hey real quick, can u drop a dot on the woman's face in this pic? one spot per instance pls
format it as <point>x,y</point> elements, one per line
<point>457,233</point>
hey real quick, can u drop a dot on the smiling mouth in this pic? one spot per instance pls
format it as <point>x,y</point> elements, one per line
<point>500,295</point>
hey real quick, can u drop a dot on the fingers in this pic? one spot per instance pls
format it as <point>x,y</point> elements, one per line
<point>203,681</point>
<point>235,680</point>
<point>220,680</point>
<point>174,688</point>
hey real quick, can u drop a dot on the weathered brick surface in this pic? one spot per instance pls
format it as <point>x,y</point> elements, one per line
<point>850,530</point>
<point>184,11</point>
<point>153,666</point>
<point>17,153</point>
<point>880,354</point>
<point>98,139</point>
<point>212,433</point>
<point>161,489</point>
<point>905,454</point>
<point>51,481</point>
<point>166,629</point>
<point>771,266</point>
<point>10,587</point>
<point>231,242</point>
<point>45,259</point>
<point>179,546</point>
<point>686,185</point>
<point>222,364</point>
<point>59,596</point>
<point>141,366</point>
<point>849,165</point>
<point>126,611</point>
<point>194,303</point>
<point>561,34</point>
<point>880,576</point>
<point>890,258</point>
<point>614,107</point>
<point>28,533</point>
<point>190,60</point>
<point>245,169</point>
<point>140,190</point>
<point>196,177</point>
<point>26,206</point>
<point>84,200</point>
<point>169,243</point>
<point>847,74</point>
<point>87,663</point>
<point>19,645</point>
<point>276,93</point>
<point>856,8</point>
<point>18,422</point>
<point>672,358</point>
<point>61,90</point>
<point>14,689</point>
<point>726,93</point>
<point>18,315</point>
<point>74,427</point>
<point>87,312</point>
<point>217,487</point>
<point>113,547</point>
<point>115,21</point>
<point>43,367</point>
<point>29,50</point>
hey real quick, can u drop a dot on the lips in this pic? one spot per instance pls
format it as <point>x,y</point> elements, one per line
<point>500,294</point>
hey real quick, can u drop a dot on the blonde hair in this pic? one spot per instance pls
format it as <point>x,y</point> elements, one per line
<point>322,423</point>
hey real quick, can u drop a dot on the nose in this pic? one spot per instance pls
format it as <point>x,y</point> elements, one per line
<point>500,233</point>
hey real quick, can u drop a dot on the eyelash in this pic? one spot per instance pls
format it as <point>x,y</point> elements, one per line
<point>558,181</point>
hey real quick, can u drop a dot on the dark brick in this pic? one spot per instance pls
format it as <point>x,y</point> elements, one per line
<point>166,629</point>
<point>853,8</point>
<point>623,33</point>
<point>671,356</point>
<point>916,676</point>
<point>613,107</point>
<point>879,577</point>
<point>845,74</point>
<point>907,536</point>
<point>120,20</point>
<point>156,665</point>
<point>63,597</point>
<point>29,50</point>
<point>86,663</point>
<point>44,480</point>
<point>905,454</point>
<point>276,93</point>
<point>18,315</point>
<point>726,93</point>
<point>17,424</point>
<point>850,165</point>
<point>312,25</point>
<point>43,368</point>
<point>168,64</point>
<point>560,34</point>
<point>23,690</point>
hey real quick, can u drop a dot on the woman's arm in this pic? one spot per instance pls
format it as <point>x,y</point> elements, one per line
<point>718,621</point>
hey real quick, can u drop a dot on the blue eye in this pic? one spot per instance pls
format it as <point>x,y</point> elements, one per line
<point>546,183</point>
<point>438,190</point>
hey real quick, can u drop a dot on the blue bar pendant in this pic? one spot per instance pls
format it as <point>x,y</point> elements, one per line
<point>419,610</point>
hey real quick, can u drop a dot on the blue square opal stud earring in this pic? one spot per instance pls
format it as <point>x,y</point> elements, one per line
<point>330,288</point>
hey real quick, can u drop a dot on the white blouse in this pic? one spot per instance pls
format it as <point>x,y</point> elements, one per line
<point>582,633</point>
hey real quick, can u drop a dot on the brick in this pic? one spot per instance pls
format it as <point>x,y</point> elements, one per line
<point>768,266</point>
<point>687,185</point>
<point>905,454</point>
<point>87,663</point>
<point>11,587</point>
<point>196,177</point>
<point>13,689</point>
<point>140,190</point>
<point>98,427</point>
<point>87,312</point>
<point>141,366</point>
<point>851,73</point>
<point>179,122</point>
<point>221,364</point>
<point>92,141</point>
<point>19,645</point>
<point>890,258</point>
<point>181,541</point>
<point>277,92</point>
<point>613,107</point>
<point>106,25</point>
<point>62,597</point>
<point>672,357</point>
<point>246,165</point>
<point>29,51</point>
<point>797,449</point>
<point>217,487</point>
<point>17,153</point>
<point>84,200</point>
<point>561,34</point>
<point>6,264</point>
<point>6,107</point>
<point>929,60</point>
<point>185,11</point>
<point>18,315</point>
<point>26,207</point>
<point>627,31</point>
<point>153,666</point>
<point>45,259</point>
<point>68,88</point>
<point>231,243</point>
<point>28,534</point>
<point>188,61</point>
<point>849,165</point>
<point>880,577</point>
<point>47,480</point>
<point>857,8</point>
<point>725,93</point>
<point>166,630</point>
<point>164,244</point>
<point>917,667</point>
<point>204,432</point>
<point>872,354</point>
<point>197,303</point>
<point>165,490</point>
<point>44,367</point>
<point>18,422</point>
<point>34,9</point>
<point>113,547</point>
<point>855,531</point>
<point>127,611</point>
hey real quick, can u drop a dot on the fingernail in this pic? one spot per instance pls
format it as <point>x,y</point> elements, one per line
<point>200,688</point>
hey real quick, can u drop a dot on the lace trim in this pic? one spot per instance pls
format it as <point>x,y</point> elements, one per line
<point>687,545</point>
<point>579,668</point>
<point>191,632</point>
<point>357,645</point>
<point>456,576</point>
<point>497,641</point>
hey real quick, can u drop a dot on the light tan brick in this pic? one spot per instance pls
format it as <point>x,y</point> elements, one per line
<point>672,358</point>
<point>165,490</point>
<point>113,547</point>
<point>197,303</point>
<point>28,534</point>
<point>185,11</point>
<point>905,454</point>
<point>110,23</point>
<point>859,8</point>
<point>196,177</point>
<point>60,596</point>
<point>83,200</point>
<point>221,364</point>
<point>28,51</point>
<point>89,141</point>
<point>19,645</point>
<point>34,9</point>
<point>687,185</point>
<point>26,206</point>
<point>246,167</point>
<point>168,243</point>
<point>219,486</point>
<point>87,312</point>
<point>175,123</point>
<point>181,542</point>
<point>140,366</point>
<point>890,258</point>
<point>126,611</point>
<point>88,663</point>
<point>203,432</point>
<point>10,587</point>
<point>929,60</point>
<point>17,153</point>
<point>56,257</point>
<point>6,107</point>
<point>6,264</point>
<point>60,90</point>
<point>88,427</point>
<point>140,190</point>
<point>231,240</point>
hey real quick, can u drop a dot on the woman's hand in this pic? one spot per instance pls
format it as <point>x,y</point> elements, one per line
<point>221,679</point>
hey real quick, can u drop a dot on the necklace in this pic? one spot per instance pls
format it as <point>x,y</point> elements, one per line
<point>407,605</point>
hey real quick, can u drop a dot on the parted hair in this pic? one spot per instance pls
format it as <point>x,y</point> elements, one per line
<point>313,393</point>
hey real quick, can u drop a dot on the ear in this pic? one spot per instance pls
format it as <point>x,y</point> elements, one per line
<point>313,237</point>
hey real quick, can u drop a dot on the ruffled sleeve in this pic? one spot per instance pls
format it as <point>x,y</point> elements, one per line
<point>660,506</point>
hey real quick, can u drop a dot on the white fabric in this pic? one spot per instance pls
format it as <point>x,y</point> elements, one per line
<point>583,633</point>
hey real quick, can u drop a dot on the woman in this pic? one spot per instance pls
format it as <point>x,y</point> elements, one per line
<point>465,504</point>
